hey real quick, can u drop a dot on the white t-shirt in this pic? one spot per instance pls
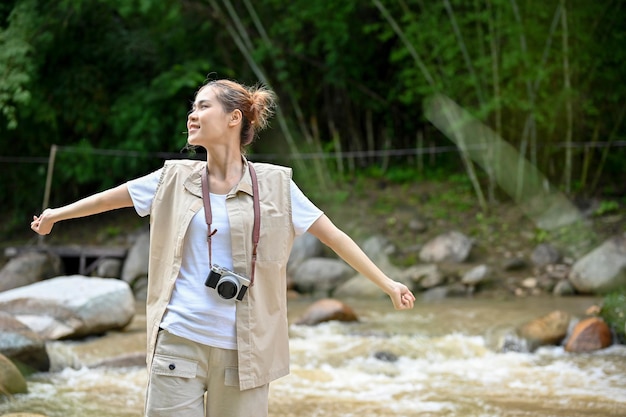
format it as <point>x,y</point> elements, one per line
<point>195,311</point>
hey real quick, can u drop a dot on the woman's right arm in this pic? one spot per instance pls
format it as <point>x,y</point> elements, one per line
<point>111,199</point>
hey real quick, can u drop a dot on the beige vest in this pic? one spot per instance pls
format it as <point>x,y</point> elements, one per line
<point>262,330</point>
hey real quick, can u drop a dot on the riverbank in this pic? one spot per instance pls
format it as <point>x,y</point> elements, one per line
<point>408,215</point>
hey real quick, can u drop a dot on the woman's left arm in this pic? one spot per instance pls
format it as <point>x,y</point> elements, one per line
<point>349,251</point>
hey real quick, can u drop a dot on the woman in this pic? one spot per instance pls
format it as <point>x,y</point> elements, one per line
<point>216,304</point>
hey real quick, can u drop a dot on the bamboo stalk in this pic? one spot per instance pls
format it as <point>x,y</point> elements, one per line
<point>320,172</point>
<point>237,38</point>
<point>568,101</point>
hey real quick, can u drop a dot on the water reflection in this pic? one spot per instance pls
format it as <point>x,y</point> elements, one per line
<point>441,362</point>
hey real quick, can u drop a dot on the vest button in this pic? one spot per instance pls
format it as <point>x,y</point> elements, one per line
<point>172,366</point>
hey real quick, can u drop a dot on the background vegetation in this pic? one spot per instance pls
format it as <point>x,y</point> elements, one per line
<point>352,77</point>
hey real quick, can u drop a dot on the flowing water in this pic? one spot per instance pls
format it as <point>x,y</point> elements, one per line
<point>440,359</point>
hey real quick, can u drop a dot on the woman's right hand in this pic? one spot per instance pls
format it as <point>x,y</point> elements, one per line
<point>43,224</point>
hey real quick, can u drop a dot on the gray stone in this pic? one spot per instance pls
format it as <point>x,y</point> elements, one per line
<point>601,270</point>
<point>73,306</point>
<point>28,268</point>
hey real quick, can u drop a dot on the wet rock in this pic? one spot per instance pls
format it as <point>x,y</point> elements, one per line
<point>386,356</point>
<point>601,270</point>
<point>453,246</point>
<point>589,335</point>
<point>11,380</point>
<point>28,268</point>
<point>19,343</point>
<point>550,329</point>
<point>327,309</point>
<point>73,306</point>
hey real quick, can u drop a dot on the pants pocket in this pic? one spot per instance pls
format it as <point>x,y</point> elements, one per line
<point>172,366</point>
<point>231,376</point>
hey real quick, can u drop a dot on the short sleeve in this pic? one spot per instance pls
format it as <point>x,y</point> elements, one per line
<point>303,212</point>
<point>142,191</point>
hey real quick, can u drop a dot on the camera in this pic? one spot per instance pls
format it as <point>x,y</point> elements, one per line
<point>227,283</point>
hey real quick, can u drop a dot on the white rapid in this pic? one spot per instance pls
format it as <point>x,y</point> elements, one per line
<point>439,359</point>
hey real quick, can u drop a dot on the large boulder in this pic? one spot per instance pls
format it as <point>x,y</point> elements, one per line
<point>11,380</point>
<point>304,247</point>
<point>320,276</point>
<point>71,306</point>
<point>601,270</point>
<point>28,268</point>
<point>19,343</point>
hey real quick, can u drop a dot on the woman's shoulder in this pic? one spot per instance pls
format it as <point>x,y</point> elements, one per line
<point>264,168</point>
<point>185,163</point>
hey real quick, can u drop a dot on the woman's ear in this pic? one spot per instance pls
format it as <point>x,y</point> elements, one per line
<point>235,117</point>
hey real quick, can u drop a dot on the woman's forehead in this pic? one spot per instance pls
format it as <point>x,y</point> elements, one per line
<point>205,94</point>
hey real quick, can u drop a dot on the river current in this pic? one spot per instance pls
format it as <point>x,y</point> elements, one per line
<point>439,359</point>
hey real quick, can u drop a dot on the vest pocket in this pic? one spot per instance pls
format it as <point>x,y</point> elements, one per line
<point>274,238</point>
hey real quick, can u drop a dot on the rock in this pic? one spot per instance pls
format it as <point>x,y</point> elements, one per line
<point>358,287</point>
<point>450,247</point>
<point>529,283</point>
<point>550,329</point>
<point>378,249</point>
<point>589,335</point>
<point>108,268</point>
<point>327,309</point>
<point>475,275</point>
<point>304,247</point>
<point>563,287</point>
<point>11,380</point>
<point>514,264</point>
<point>19,343</point>
<point>435,294</point>
<point>72,306</point>
<point>28,268</point>
<point>426,276</point>
<point>383,355</point>
<point>601,270</point>
<point>320,276</point>
<point>545,254</point>
<point>136,263</point>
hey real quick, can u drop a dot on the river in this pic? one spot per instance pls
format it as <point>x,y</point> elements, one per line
<point>439,359</point>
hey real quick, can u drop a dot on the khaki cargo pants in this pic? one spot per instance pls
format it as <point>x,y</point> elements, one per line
<point>188,379</point>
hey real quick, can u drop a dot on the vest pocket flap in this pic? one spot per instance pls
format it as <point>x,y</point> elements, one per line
<point>172,366</point>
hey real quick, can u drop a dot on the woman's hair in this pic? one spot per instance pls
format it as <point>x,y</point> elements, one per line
<point>256,103</point>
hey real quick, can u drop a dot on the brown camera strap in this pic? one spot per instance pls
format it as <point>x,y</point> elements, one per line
<point>206,199</point>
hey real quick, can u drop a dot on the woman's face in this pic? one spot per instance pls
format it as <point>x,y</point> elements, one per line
<point>207,123</point>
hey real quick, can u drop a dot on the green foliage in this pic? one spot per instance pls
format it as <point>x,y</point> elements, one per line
<point>605,207</point>
<point>120,74</point>
<point>613,312</point>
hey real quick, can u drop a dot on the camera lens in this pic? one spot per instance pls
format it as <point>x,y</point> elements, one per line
<point>227,289</point>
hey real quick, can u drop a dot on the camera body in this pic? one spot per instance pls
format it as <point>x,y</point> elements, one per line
<point>227,283</point>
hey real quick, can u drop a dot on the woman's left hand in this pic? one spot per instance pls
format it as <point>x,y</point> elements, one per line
<point>402,297</point>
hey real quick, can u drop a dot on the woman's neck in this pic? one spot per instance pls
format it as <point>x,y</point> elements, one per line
<point>225,171</point>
